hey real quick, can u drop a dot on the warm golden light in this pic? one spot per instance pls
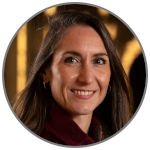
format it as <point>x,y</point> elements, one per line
<point>50,11</point>
<point>103,12</point>
<point>112,28</point>
<point>45,30</point>
<point>132,51</point>
<point>21,58</point>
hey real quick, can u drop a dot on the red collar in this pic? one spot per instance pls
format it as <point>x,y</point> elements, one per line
<point>60,128</point>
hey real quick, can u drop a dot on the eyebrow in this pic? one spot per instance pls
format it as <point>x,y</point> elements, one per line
<point>78,54</point>
<point>99,54</point>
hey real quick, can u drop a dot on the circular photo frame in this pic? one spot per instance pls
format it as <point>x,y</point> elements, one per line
<point>31,90</point>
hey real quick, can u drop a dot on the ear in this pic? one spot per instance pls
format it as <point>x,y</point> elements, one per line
<point>46,74</point>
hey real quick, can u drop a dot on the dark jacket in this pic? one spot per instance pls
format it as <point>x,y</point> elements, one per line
<point>60,128</point>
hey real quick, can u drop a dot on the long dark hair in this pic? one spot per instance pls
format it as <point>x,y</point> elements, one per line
<point>33,103</point>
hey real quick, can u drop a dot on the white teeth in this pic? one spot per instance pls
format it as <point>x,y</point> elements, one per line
<point>90,93</point>
<point>78,92</point>
<point>83,92</point>
<point>86,93</point>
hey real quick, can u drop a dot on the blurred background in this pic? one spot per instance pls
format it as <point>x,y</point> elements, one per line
<point>26,44</point>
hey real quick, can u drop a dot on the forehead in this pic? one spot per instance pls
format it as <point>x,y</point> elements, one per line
<point>83,39</point>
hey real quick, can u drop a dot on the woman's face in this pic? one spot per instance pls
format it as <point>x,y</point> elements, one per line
<point>80,71</point>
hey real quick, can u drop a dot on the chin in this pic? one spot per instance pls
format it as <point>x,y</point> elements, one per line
<point>83,110</point>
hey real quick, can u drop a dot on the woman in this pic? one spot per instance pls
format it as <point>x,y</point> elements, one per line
<point>77,91</point>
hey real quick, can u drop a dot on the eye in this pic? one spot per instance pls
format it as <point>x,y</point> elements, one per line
<point>99,61</point>
<point>71,60</point>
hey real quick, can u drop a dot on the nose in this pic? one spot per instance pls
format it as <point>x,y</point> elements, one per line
<point>86,75</point>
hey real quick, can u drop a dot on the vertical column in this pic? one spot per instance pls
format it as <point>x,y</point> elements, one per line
<point>132,51</point>
<point>21,58</point>
<point>48,13</point>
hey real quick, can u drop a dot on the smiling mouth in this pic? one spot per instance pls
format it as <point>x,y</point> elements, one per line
<point>86,93</point>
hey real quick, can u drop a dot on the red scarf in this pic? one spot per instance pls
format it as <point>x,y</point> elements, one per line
<point>60,128</point>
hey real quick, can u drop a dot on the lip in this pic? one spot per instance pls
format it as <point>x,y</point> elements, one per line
<point>82,90</point>
<point>83,96</point>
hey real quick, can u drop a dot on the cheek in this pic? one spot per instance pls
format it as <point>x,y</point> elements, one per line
<point>57,82</point>
<point>103,83</point>
<point>62,77</point>
<point>61,83</point>
<point>103,78</point>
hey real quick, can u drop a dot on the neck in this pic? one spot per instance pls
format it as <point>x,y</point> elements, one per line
<point>83,121</point>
